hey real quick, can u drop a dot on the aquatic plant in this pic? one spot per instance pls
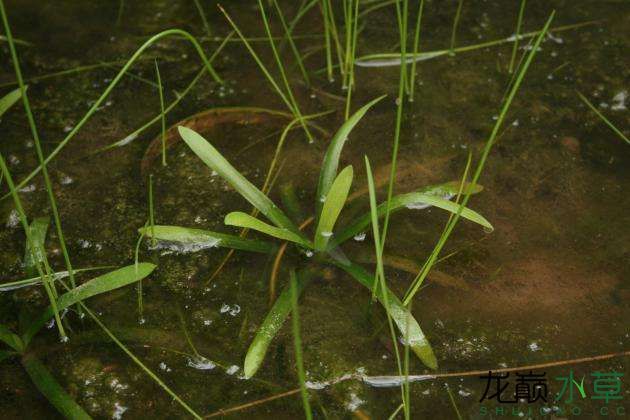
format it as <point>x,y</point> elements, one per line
<point>332,191</point>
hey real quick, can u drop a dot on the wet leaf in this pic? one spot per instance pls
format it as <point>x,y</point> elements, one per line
<point>405,321</point>
<point>272,324</point>
<point>9,100</point>
<point>333,204</point>
<point>333,153</point>
<point>198,239</point>
<point>411,201</point>
<point>38,229</point>
<point>99,285</point>
<point>18,284</point>
<point>50,388</point>
<point>211,157</point>
<point>10,339</point>
<point>244,220</point>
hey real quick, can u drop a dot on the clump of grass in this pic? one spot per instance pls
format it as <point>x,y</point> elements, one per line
<point>414,287</point>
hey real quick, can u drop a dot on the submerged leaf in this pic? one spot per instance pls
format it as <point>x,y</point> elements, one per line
<point>8,100</point>
<point>101,284</point>
<point>211,157</point>
<point>50,388</point>
<point>413,201</point>
<point>18,284</point>
<point>401,316</point>
<point>271,325</point>
<point>333,204</point>
<point>244,220</point>
<point>10,339</point>
<point>333,153</point>
<point>32,257</point>
<point>196,239</point>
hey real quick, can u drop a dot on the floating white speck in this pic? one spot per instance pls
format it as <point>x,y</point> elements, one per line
<point>359,237</point>
<point>66,180</point>
<point>232,310</point>
<point>13,220</point>
<point>464,393</point>
<point>354,403</point>
<point>533,346</point>
<point>619,101</point>
<point>119,410</point>
<point>232,370</point>
<point>164,367</point>
<point>201,363</point>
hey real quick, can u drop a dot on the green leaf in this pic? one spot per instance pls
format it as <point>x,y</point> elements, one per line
<point>333,204</point>
<point>9,100</point>
<point>18,284</point>
<point>271,325</point>
<point>10,339</point>
<point>333,153</point>
<point>101,284</point>
<point>411,201</point>
<point>405,322</point>
<point>211,157</point>
<point>244,220</point>
<point>197,239</point>
<point>38,230</point>
<point>50,388</point>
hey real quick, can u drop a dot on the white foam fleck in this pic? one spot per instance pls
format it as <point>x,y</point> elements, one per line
<point>619,101</point>
<point>354,403</point>
<point>232,370</point>
<point>13,220</point>
<point>201,363</point>
<point>533,346</point>
<point>119,410</point>
<point>359,237</point>
<point>170,247</point>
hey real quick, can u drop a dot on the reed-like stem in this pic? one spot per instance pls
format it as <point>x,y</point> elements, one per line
<point>517,35</point>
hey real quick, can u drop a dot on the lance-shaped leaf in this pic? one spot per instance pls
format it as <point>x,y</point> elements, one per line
<point>211,157</point>
<point>191,240</point>
<point>50,388</point>
<point>272,324</point>
<point>18,284</point>
<point>335,200</point>
<point>101,284</point>
<point>10,339</point>
<point>401,316</point>
<point>8,100</point>
<point>414,201</point>
<point>35,255</point>
<point>331,158</point>
<point>244,220</point>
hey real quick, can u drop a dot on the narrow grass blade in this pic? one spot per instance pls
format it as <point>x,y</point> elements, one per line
<point>333,204</point>
<point>330,163</point>
<point>197,239</point>
<point>244,220</point>
<point>10,339</point>
<point>294,48</point>
<point>50,388</point>
<point>517,34</point>
<point>9,100</point>
<point>603,118</point>
<point>297,341</point>
<point>375,229</point>
<point>411,201</point>
<point>405,322</point>
<point>271,325</point>
<point>101,284</point>
<point>211,157</point>
<point>34,253</point>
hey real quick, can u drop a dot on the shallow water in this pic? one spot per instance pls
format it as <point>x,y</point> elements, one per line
<point>549,283</point>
